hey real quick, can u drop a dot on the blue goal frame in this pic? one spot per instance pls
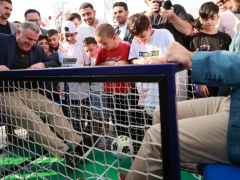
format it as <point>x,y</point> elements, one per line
<point>163,74</point>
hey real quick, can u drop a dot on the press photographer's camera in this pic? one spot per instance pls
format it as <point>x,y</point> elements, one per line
<point>164,4</point>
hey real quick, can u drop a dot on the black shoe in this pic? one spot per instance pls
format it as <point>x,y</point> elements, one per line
<point>87,143</point>
<point>72,160</point>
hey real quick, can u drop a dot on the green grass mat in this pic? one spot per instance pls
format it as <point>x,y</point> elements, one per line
<point>103,166</point>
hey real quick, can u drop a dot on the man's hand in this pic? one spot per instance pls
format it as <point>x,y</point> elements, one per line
<point>37,66</point>
<point>152,8</point>
<point>176,53</point>
<point>203,91</point>
<point>167,13</point>
<point>3,68</point>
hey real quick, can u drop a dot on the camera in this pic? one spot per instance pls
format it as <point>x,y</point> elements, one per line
<point>164,4</point>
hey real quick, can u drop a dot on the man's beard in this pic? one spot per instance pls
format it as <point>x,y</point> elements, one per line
<point>5,17</point>
<point>122,22</point>
<point>93,19</point>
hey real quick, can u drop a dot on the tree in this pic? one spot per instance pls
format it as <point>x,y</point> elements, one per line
<point>61,10</point>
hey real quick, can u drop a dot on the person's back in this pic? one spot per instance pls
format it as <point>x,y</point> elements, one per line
<point>209,39</point>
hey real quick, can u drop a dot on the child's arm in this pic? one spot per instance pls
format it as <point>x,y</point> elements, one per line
<point>203,91</point>
<point>100,59</point>
<point>87,60</point>
<point>149,60</point>
<point>122,63</point>
<point>107,63</point>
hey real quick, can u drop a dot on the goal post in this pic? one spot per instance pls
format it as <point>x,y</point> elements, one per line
<point>163,75</point>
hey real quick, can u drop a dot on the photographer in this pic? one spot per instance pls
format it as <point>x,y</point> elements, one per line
<point>175,19</point>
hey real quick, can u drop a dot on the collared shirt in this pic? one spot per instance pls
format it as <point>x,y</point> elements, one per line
<point>85,30</point>
<point>123,31</point>
<point>21,59</point>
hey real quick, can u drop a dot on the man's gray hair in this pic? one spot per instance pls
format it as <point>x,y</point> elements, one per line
<point>33,26</point>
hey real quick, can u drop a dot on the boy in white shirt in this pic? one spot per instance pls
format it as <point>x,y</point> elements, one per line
<point>72,54</point>
<point>148,47</point>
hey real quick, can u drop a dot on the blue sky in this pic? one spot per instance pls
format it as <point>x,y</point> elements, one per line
<point>45,7</point>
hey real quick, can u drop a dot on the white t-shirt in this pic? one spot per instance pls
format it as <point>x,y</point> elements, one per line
<point>155,48</point>
<point>95,86</point>
<point>74,56</point>
<point>123,31</point>
<point>84,30</point>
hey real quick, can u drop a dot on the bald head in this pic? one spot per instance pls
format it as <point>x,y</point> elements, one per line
<point>105,30</point>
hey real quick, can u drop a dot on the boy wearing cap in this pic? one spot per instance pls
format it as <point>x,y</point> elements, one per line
<point>72,54</point>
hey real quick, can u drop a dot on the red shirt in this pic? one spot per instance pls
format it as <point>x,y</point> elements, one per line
<point>118,54</point>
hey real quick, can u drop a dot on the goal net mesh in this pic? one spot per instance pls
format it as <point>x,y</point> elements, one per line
<point>40,119</point>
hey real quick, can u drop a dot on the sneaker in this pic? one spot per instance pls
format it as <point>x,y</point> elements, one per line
<point>87,145</point>
<point>72,160</point>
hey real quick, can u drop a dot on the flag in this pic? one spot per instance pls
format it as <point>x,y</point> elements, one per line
<point>58,15</point>
<point>68,13</point>
<point>43,25</point>
<point>47,22</point>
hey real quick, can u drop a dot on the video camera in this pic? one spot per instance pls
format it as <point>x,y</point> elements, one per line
<point>164,4</point>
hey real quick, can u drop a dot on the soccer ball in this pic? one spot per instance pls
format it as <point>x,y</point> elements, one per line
<point>121,146</point>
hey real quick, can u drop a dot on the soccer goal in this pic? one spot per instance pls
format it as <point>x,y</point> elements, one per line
<point>118,101</point>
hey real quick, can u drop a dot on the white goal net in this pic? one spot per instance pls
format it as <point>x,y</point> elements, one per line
<point>42,120</point>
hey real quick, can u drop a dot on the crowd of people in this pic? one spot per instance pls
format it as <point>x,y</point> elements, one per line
<point>207,126</point>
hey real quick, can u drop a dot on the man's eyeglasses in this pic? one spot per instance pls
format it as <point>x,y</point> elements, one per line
<point>33,20</point>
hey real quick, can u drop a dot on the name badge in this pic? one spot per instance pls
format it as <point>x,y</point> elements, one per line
<point>68,61</point>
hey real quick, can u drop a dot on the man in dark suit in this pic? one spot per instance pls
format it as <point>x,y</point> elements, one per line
<point>21,101</point>
<point>32,15</point>
<point>121,12</point>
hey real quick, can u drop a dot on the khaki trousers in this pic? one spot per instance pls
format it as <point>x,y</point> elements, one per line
<point>25,108</point>
<point>202,126</point>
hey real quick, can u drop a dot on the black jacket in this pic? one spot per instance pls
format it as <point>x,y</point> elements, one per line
<point>128,37</point>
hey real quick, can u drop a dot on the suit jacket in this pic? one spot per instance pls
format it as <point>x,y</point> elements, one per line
<point>36,53</point>
<point>128,37</point>
<point>44,31</point>
<point>221,68</point>
<point>13,28</point>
